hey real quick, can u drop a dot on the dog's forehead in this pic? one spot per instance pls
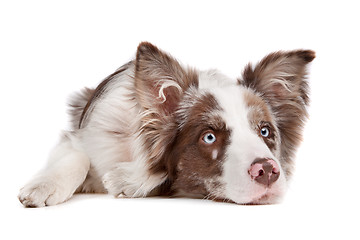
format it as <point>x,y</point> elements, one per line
<point>199,107</point>
<point>241,106</point>
<point>214,79</point>
<point>233,103</point>
<point>221,100</point>
<point>228,95</point>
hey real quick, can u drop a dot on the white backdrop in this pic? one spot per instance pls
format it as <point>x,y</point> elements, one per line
<point>49,49</point>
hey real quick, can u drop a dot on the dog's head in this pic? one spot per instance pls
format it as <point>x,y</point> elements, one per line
<point>221,138</point>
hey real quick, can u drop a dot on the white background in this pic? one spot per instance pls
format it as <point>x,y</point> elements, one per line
<point>51,48</point>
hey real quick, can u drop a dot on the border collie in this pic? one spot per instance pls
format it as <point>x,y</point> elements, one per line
<point>155,128</point>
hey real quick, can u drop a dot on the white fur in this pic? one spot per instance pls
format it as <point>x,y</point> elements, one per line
<point>214,79</point>
<point>119,160</point>
<point>65,172</point>
<point>112,153</point>
<point>108,153</point>
<point>214,154</point>
<point>244,148</point>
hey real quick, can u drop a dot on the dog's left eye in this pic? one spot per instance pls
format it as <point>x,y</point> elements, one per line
<point>265,132</point>
<point>209,138</point>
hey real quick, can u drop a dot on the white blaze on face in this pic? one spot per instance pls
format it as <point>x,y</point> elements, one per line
<point>214,154</point>
<point>245,146</point>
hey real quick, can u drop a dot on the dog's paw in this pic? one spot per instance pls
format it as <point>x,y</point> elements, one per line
<point>124,184</point>
<point>118,187</point>
<point>41,194</point>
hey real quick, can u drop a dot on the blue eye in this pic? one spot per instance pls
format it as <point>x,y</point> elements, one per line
<point>209,138</point>
<point>265,132</point>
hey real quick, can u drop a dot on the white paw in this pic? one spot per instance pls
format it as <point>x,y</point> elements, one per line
<point>118,187</point>
<point>125,184</point>
<point>42,193</point>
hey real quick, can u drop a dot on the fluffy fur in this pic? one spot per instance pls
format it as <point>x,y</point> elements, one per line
<point>156,128</point>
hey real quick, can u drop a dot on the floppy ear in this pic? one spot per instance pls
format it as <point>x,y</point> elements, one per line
<point>160,80</point>
<point>280,78</point>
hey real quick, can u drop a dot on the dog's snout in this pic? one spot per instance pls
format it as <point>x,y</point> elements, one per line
<point>265,171</point>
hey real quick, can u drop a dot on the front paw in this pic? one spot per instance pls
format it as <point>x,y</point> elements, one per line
<point>42,193</point>
<point>122,183</point>
<point>117,186</point>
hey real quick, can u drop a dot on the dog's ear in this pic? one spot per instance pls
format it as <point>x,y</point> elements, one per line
<point>160,80</point>
<point>280,78</point>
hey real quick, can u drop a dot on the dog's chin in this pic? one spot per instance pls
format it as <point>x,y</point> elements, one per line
<point>265,197</point>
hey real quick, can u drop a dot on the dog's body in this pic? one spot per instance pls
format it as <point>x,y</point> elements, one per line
<point>155,128</point>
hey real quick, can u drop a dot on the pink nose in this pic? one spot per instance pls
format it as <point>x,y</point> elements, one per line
<point>264,171</point>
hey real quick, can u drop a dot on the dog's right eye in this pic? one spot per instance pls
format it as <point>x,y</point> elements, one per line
<point>209,138</point>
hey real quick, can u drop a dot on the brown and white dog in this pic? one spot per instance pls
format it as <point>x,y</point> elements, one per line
<point>156,128</point>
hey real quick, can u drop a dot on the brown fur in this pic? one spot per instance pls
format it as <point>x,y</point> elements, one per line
<point>280,79</point>
<point>260,116</point>
<point>146,134</point>
<point>188,159</point>
<point>154,68</point>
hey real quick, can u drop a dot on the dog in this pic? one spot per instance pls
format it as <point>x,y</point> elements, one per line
<point>157,128</point>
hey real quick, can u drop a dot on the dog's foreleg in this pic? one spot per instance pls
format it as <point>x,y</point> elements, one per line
<point>65,172</point>
<point>132,179</point>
